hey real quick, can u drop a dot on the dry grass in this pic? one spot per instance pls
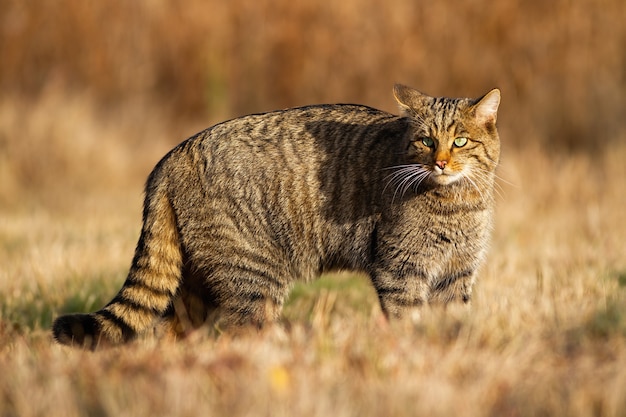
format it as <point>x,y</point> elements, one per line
<point>546,334</point>
<point>560,64</point>
<point>80,131</point>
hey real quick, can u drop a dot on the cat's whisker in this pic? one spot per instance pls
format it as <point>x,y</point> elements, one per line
<point>478,190</point>
<point>401,173</point>
<point>483,178</point>
<point>498,190</point>
<point>405,177</point>
<point>500,178</point>
<point>484,174</point>
<point>402,186</point>
<point>397,176</point>
<point>478,180</point>
<point>418,181</point>
<point>402,166</point>
<point>409,180</point>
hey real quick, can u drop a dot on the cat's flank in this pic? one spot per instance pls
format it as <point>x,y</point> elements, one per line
<point>237,213</point>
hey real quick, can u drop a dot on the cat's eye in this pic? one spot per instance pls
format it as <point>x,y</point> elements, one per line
<point>460,142</point>
<point>429,142</point>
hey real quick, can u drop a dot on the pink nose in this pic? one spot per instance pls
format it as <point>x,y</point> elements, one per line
<point>441,164</point>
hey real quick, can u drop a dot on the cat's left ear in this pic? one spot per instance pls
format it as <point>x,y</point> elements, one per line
<point>486,108</point>
<point>409,100</point>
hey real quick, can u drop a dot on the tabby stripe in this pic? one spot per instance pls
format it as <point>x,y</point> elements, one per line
<point>451,279</point>
<point>243,208</point>
<point>253,295</point>
<point>127,331</point>
<point>274,292</point>
<point>407,301</point>
<point>283,152</point>
<point>136,317</point>
<point>484,163</point>
<point>390,290</point>
<point>136,283</point>
<point>131,304</point>
<point>141,296</point>
<point>157,281</point>
<point>263,275</point>
<point>257,260</point>
<point>491,158</point>
<point>257,296</point>
<point>246,311</point>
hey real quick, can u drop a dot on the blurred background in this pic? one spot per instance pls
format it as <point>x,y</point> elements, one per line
<point>92,93</point>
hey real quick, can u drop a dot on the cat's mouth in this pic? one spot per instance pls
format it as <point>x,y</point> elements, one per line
<point>444,176</point>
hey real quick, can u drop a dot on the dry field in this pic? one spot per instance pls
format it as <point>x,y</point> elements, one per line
<point>84,117</point>
<point>546,334</point>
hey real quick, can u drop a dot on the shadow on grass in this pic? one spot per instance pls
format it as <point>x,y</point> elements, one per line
<point>606,322</point>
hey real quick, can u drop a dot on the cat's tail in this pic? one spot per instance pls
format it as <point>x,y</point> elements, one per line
<point>151,284</point>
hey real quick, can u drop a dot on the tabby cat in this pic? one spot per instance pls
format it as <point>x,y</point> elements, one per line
<point>235,214</point>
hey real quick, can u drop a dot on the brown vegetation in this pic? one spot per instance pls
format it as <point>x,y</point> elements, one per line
<point>93,93</point>
<point>560,64</point>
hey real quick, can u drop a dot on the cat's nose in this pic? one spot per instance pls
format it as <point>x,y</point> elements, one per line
<point>441,164</point>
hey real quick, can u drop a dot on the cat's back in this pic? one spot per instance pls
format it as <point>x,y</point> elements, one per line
<point>328,122</point>
<point>297,140</point>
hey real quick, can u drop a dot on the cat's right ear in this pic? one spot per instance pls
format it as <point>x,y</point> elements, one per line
<point>409,100</point>
<point>486,107</point>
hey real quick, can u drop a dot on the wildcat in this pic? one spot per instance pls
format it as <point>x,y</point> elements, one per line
<point>235,214</point>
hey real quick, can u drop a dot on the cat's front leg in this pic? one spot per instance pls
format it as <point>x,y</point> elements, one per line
<point>400,296</point>
<point>455,287</point>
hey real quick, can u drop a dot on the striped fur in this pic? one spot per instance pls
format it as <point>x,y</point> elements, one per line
<point>234,215</point>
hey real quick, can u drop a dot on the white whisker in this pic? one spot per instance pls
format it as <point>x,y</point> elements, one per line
<point>409,181</point>
<point>471,181</point>
<point>404,178</point>
<point>499,177</point>
<point>405,184</point>
<point>483,173</point>
<point>419,179</point>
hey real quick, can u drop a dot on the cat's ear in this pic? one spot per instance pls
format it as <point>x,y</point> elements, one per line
<point>409,100</point>
<point>486,108</point>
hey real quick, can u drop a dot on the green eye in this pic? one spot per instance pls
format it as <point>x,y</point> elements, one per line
<point>460,142</point>
<point>429,142</point>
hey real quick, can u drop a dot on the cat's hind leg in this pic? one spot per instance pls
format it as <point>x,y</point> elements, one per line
<point>248,294</point>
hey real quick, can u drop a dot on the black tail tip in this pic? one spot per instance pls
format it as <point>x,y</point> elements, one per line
<point>80,330</point>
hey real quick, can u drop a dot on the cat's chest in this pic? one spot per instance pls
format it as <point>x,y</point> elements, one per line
<point>447,236</point>
<point>436,245</point>
<point>447,248</point>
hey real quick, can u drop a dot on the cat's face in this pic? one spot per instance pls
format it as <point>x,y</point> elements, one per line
<point>452,139</point>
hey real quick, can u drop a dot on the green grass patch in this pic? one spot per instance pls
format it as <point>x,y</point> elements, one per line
<point>343,294</point>
<point>33,307</point>
<point>607,322</point>
<point>610,320</point>
<point>621,278</point>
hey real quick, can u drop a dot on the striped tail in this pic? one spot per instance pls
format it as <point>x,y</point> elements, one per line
<point>149,289</point>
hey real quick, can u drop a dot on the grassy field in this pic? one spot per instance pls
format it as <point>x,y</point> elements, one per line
<point>92,95</point>
<point>546,334</point>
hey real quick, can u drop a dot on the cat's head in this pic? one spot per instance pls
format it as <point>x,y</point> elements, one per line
<point>451,138</point>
